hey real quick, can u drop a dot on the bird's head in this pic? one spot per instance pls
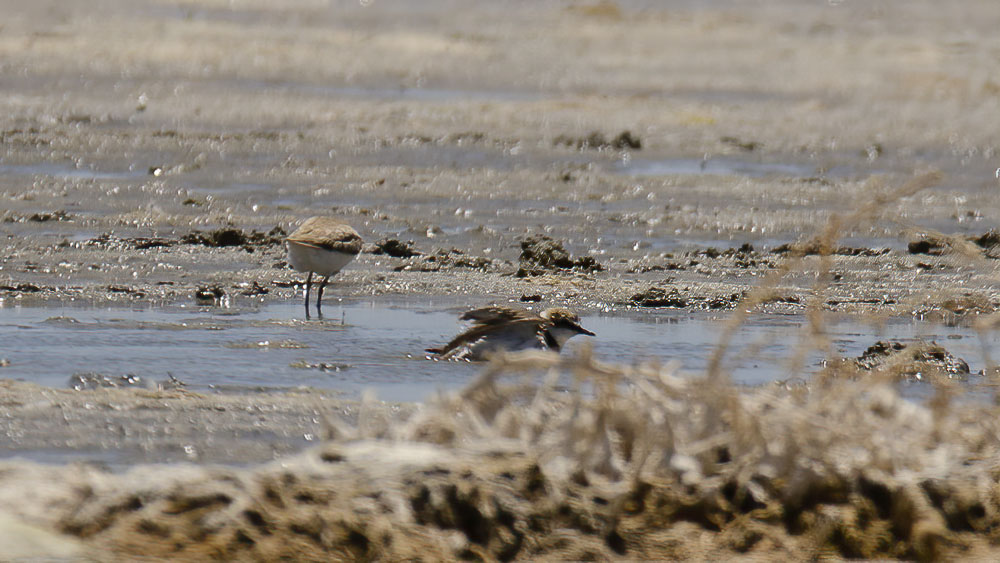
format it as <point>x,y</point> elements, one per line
<point>565,324</point>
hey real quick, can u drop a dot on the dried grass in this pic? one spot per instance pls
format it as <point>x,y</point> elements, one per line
<point>641,462</point>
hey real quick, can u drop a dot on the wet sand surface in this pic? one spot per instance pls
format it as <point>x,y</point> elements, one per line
<point>151,151</point>
<point>128,128</point>
<point>117,428</point>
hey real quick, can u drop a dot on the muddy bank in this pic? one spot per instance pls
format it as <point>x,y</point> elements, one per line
<point>946,284</point>
<point>121,427</point>
<point>119,151</point>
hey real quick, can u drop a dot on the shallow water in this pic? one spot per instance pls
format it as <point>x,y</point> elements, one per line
<point>380,345</point>
<point>71,171</point>
<point>713,166</point>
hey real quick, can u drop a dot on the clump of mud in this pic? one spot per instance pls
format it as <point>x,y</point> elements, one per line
<point>541,254</point>
<point>913,362</point>
<point>673,299</point>
<point>112,242</point>
<point>218,238</point>
<point>597,141</point>
<point>987,240</point>
<point>930,246</point>
<point>659,297</point>
<point>253,289</point>
<point>959,308</point>
<point>227,236</point>
<point>209,295</point>
<point>743,145</point>
<point>321,366</point>
<point>638,463</point>
<point>813,247</point>
<point>936,244</point>
<point>395,248</point>
<point>231,236</point>
<point>92,380</point>
<point>744,257</point>
<point>40,217</point>
<point>22,287</point>
<point>442,259</point>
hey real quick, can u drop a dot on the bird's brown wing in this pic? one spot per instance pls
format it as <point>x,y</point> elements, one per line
<point>328,235</point>
<point>478,331</point>
<point>498,314</point>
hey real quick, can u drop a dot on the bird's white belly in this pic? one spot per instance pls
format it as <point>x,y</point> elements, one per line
<point>313,259</point>
<point>489,344</point>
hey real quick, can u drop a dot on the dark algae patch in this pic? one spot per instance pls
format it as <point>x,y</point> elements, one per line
<point>443,259</point>
<point>936,244</point>
<point>231,236</point>
<point>217,238</point>
<point>922,358</point>
<point>395,248</point>
<point>659,297</point>
<point>674,298</point>
<point>598,141</point>
<point>541,254</point>
<point>920,361</point>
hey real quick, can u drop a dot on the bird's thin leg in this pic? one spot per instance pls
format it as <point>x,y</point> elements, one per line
<point>308,285</point>
<point>319,296</point>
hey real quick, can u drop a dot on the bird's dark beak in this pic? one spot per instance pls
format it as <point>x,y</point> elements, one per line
<point>582,330</point>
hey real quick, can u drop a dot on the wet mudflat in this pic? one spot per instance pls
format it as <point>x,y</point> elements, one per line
<point>650,165</point>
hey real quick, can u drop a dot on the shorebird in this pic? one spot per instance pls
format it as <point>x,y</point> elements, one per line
<point>323,246</point>
<point>509,328</point>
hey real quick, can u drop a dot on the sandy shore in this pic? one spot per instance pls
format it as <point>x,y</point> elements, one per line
<point>115,428</point>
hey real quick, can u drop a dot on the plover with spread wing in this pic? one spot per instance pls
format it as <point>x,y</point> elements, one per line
<point>509,328</point>
<point>323,246</point>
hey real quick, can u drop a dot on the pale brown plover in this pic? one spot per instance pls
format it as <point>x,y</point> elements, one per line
<point>323,246</point>
<point>509,328</point>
